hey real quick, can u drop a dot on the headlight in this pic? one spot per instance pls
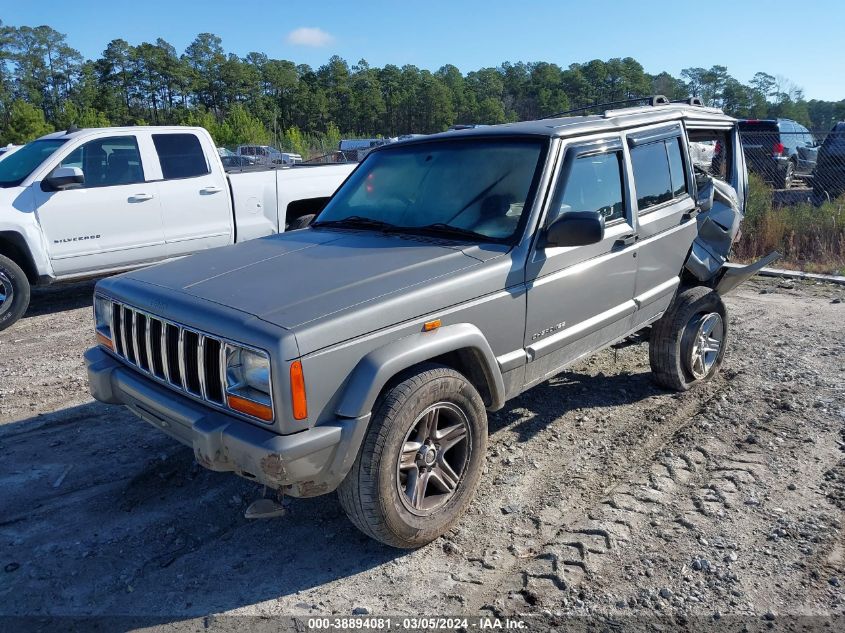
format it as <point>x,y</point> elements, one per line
<point>248,375</point>
<point>102,321</point>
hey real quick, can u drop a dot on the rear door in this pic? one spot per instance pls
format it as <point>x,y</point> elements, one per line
<point>807,150</point>
<point>582,297</point>
<point>111,221</point>
<point>193,192</point>
<point>664,202</point>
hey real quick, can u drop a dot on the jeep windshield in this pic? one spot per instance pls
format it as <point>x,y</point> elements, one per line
<point>467,189</point>
<point>17,167</point>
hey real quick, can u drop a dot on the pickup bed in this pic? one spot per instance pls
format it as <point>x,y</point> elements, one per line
<point>90,202</point>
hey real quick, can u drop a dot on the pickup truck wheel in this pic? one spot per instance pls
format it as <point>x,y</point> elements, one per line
<point>421,460</point>
<point>14,292</point>
<point>688,343</point>
<point>301,222</point>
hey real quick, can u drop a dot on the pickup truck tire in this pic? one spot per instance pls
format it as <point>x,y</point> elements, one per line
<point>301,222</point>
<point>421,460</point>
<point>14,292</point>
<point>687,344</point>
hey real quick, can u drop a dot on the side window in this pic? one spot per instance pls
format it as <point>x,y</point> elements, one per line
<point>108,162</point>
<point>676,166</point>
<point>594,183</point>
<point>652,178</point>
<point>180,156</point>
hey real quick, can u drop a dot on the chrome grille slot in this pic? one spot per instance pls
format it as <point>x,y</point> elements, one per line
<point>186,360</point>
<point>154,345</point>
<point>211,356</point>
<point>171,346</point>
<point>191,354</point>
<point>140,340</point>
<point>126,334</point>
<point>117,328</point>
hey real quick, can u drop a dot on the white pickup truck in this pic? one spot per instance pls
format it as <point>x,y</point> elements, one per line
<point>84,203</point>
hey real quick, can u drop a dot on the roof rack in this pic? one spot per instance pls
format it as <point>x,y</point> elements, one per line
<point>653,100</point>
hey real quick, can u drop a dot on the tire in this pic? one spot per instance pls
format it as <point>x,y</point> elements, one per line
<point>785,181</point>
<point>301,222</point>
<point>376,494</point>
<point>14,292</point>
<point>674,345</point>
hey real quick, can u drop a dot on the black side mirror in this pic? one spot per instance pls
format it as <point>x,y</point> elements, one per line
<point>64,177</point>
<point>576,228</point>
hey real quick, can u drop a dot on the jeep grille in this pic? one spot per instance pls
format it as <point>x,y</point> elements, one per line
<point>187,360</point>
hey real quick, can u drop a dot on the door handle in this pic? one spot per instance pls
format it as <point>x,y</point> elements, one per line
<point>141,197</point>
<point>626,240</point>
<point>209,190</point>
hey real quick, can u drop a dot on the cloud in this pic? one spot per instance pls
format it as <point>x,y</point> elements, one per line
<point>309,36</point>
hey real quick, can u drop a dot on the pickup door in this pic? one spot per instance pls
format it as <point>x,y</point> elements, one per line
<point>193,193</point>
<point>111,221</point>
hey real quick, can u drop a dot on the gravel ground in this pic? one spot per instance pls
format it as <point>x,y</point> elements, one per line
<point>603,495</point>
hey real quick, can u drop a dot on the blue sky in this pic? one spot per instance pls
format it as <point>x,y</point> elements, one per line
<point>807,47</point>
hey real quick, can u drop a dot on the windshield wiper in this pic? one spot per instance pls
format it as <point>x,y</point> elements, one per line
<point>356,222</point>
<point>447,230</point>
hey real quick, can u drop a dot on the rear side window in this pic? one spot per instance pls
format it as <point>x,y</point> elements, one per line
<point>659,174</point>
<point>595,184</point>
<point>180,156</point>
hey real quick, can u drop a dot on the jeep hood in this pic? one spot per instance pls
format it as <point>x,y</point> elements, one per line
<point>318,279</point>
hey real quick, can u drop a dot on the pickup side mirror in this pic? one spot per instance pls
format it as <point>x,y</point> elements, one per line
<point>576,228</point>
<point>64,177</point>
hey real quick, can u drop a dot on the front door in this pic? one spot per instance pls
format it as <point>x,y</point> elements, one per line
<point>582,297</point>
<point>111,221</point>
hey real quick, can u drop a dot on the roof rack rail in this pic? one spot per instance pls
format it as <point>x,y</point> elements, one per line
<point>653,100</point>
<point>693,101</point>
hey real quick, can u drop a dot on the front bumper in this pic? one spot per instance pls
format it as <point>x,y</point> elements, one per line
<point>304,464</point>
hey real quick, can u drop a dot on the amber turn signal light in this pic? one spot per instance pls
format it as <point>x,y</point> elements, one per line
<point>428,326</point>
<point>255,409</point>
<point>299,403</point>
<point>105,341</point>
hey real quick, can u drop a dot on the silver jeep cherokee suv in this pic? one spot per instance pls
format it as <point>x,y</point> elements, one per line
<point>447,275</point>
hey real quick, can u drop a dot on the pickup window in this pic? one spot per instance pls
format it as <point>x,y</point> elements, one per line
<point>107,161</point>
<point>17,167</point>
<point>180,156</point>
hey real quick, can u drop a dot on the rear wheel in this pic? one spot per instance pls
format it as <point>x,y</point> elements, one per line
<point>14,292</point>
<point>421,460</point>
<point>785,181</point>
<point>687,344</point>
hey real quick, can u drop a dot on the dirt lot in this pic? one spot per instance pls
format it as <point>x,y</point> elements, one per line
<point>603,495</point>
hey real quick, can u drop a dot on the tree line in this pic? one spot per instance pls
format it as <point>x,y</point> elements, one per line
<point>46,84</point>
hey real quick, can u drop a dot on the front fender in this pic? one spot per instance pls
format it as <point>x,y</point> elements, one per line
<point>374,370</point>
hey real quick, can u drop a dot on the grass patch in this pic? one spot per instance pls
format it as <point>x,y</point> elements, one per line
<point>810,238</point>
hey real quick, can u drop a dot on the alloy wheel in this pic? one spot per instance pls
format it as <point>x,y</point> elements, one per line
<point>7,293</point>
<point>433,458</point>
<point>707,334</point>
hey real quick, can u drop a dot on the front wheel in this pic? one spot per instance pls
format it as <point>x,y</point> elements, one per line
<point>421,460</point>
<point>14,292</point>
<point>687,344</point>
